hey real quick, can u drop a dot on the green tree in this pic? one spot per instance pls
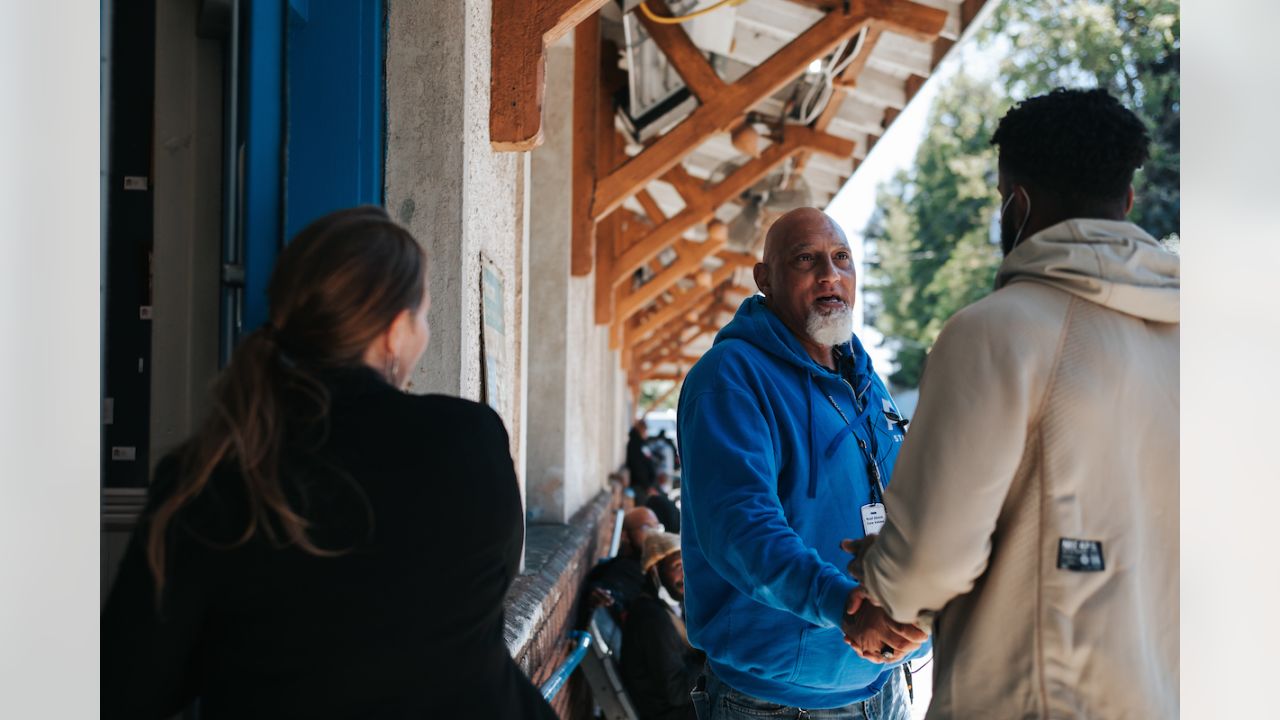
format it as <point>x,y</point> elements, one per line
<point>651,390</point>
<point>933,242</point>
<point>1129,47</point>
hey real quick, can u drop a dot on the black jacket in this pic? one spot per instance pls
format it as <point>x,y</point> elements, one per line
<point>665,508</point>
<point>659,667</point>
<point>624,580</point>
<point>408,624</point>
<point>639,465</point>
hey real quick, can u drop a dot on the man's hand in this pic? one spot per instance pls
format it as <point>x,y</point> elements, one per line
<point>871,632</point>
<point>600,598</point>
<point>858,548</point>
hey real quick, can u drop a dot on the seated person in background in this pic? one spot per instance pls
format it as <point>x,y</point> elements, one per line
<point>659,666</point>
<point>656,499</point>
<point>615,582</point>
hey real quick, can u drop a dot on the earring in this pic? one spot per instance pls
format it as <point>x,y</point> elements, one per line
<point>393,369</point>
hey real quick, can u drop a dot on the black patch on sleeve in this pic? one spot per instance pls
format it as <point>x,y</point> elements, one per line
<point>1080,555</point>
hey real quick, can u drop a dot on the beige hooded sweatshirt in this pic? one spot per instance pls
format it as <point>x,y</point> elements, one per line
<point>1033,513</point>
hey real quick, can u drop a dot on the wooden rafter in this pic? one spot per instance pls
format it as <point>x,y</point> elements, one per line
<point>586,88</point>
<point>673,348</point>
<point>693,302</point>
<point>722,110</point>
<point>677,309</point>
<point>651,208</point>
<point>520,32</point>
<point>616,328</point>
<point>683,55</point>
<point>662,398</point>
<point>607,154</point>
<point>666,376</point>
<point>670,344</point>
<point>632,230</point>
<point>684,183</point>
<point>898,15</point>
<point>846,80</point>
<point>700,209</point>
<point>676,348</point>
<point>604,290</point>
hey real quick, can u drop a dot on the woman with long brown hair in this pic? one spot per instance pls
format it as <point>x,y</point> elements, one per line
<point>326,545</point>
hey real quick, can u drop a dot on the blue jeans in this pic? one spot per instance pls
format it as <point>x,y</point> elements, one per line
<point>714,700</point>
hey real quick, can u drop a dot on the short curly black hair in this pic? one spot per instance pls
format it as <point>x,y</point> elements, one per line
<point>1081,144</point>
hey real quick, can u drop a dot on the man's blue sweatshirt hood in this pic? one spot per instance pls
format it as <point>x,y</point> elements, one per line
<point>777,463</point>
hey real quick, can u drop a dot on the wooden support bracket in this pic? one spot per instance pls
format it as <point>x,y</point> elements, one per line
<point>663,397</point>
<point>701,208</point>
<point>723,109</point>
<point>586,90</point>
<point>683,55</point>
<point>519,33</point>
<point>688,302</point>
<point>651,209</point>
<point>665,324</point>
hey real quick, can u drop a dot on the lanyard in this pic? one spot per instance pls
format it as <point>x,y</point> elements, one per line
<point>877,483</point>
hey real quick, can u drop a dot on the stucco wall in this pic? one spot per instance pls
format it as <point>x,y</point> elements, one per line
<point>574,377</point>
<point>458,197</point>
<point>464,201</point>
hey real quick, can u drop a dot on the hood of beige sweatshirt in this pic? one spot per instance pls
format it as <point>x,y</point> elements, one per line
<point>1109,262</point>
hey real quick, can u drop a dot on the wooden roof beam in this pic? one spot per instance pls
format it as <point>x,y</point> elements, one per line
<point>702,206</point>
<point>654,334</point>
<point>683,55</point>
<point>651,207</point>
<point>722,110</point>
<point>676,377</point>
<point>586,92</point>
<point>689,260</point>
<point>666,351</point>
<point>846,79</point>
<point>900,16</point>
<point>670,336</point>
<point>670,391</point>
<point>519,34</point>
<point>671,330</point>
<point>685,304</point>
<point>604,290</point>
<point>685,184</point>
<point>676,349</point>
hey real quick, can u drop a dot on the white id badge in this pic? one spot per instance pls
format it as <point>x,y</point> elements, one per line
<point>872,518</point>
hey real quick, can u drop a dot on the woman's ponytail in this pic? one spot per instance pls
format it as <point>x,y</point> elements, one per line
<point>335,288</point>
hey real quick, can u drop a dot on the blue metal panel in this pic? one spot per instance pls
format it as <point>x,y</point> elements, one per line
<point>335,114</point>
<point>262,120</point>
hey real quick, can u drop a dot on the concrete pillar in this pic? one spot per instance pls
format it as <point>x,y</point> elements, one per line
<point>463,201</point>
<point>550,494</point>
<point>574,380</point>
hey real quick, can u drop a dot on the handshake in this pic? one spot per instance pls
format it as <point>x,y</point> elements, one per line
<point>868,629</point>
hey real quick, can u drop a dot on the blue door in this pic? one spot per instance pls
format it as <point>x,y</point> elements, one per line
<point>312,123</point>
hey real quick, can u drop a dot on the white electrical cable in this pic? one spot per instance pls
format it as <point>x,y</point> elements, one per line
<point>826,88</point>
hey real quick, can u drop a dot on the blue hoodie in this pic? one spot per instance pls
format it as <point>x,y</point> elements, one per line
<point>773,479</point>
